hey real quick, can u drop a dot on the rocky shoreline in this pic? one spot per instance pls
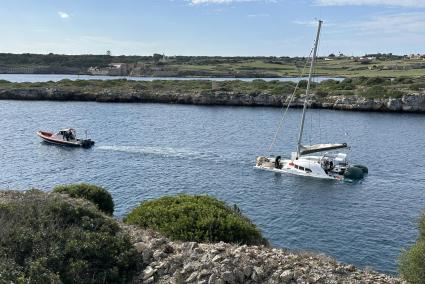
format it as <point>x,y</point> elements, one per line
<point>165,261</point>
<point>409,103</point>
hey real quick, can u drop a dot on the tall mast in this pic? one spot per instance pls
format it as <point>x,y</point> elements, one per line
<point>300,136</point>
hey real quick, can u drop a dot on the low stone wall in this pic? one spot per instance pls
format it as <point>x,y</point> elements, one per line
<point>414,102</point>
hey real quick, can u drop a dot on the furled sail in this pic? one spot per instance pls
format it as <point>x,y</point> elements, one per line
<point>320,148</point>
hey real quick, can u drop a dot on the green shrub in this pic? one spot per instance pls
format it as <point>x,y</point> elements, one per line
<point>81,83</point>
<point>403,80</point>
<point>9,270</point>
<point>303,84</point>
<point>330,83</point>
<point>283,88</point>
<point>333,85</point>
<point>359,80</point>
<point>348,93</point>
<point>99,196</point>
<point>195,218</point>
<point>382,92</point>
<point>321,93</point>
<point>39,84</point>
<point>46,238</point>
<point>391,93</point>
<point>417,86</point>
<point>374,92</point>
<point>412,261</point>
<point>377,81</point>
<point>347,84</point>
<point>260,84</point>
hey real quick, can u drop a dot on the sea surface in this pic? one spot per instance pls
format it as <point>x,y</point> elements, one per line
<point>145,151</point>
<point>19,78</point>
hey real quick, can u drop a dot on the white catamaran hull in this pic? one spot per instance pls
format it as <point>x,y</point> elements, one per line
<point>328,166</point>
<point>295,172</point>
<point>309,166</point>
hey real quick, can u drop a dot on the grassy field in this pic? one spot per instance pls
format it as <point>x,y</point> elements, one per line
<point>214,66</point>
<point>335,68</point>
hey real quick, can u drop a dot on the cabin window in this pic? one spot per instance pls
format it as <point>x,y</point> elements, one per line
<point>307,170</point>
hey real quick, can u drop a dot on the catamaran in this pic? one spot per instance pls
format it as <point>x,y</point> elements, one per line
<point>329,165</point>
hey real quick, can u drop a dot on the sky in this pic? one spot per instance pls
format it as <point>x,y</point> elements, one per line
<point>212,27</point>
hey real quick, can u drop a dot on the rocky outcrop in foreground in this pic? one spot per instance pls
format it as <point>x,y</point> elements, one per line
<point>165,261</point>
<point>413,102</point>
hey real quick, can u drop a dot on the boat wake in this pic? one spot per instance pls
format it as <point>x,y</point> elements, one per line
<point>180,153</point>
<point>163,152</point>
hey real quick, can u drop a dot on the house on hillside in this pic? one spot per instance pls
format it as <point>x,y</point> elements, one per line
<point>366,60</point>
<point>113,69</point>
<point>415,56</point>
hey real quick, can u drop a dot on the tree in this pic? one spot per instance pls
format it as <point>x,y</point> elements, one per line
<point>157,57</point>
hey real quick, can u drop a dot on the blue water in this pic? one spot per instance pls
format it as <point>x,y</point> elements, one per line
<point>19,78</point>
<point>145,151</point>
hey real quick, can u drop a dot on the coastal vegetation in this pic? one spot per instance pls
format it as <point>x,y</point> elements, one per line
<point>370,65</point>
<point>47,238</point>
<point>95,194</point>
<point>381,94</point>
<point>369,87</point>
<point>54,238</point>
<point>412,261</point>
<point>63,237</point>
<point>196,218</point>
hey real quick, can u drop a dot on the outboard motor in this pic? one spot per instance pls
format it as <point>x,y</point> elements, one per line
<point>363,168</point>
<point>277,162</point>
<point>87,143</point>
<point>354,173</point>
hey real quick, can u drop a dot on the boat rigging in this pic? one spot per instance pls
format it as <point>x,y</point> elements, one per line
<point>326,166</point>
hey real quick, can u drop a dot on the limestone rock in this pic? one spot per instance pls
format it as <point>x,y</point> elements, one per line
<point>212,279</point>
<point>191,262</point>
<point>228,277</point>
<point>192,277</point>
<point>148,272</point>
<point>140,246</point>
<point>286,276</point>
<point>147,255</point>
<point>412,102</point>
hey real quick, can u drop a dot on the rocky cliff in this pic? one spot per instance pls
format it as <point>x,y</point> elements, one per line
<point>413,102</point>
